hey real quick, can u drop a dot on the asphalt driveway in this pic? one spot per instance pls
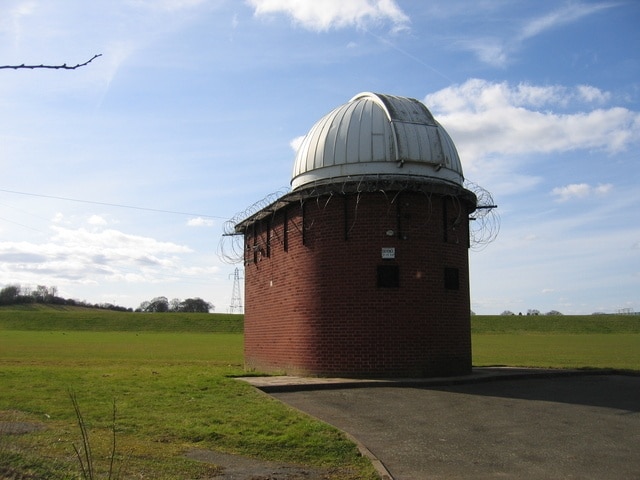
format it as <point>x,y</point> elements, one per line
<point>526,426</point>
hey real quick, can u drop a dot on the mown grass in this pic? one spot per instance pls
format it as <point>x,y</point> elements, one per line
<point>580,341</point>
<point>174,391</point>
<point>171,378</point>
<point>620,351</point>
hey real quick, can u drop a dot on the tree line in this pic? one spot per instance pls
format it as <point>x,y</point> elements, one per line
<point>19,295</point>
<point>163,304</point>
<point>533,312</point>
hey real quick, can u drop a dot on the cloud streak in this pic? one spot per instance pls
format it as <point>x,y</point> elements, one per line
<point>334,14</point>
<point>562,16</point>
<point>497,51</point>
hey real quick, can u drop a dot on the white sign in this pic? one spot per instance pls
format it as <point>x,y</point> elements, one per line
<point>388,252</point>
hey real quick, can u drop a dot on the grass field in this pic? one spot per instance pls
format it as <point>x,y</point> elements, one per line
<point>171,376</point>
<point>589,341</point>
<point>173,390</point>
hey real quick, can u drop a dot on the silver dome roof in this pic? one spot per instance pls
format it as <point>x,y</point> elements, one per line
<point>377,136</point>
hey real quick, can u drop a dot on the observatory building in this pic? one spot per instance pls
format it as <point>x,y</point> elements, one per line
<point>362,269</point>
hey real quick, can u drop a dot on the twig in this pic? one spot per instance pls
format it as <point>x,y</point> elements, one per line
<point>87,470</point>
<point>113,445</point>
<point>64,66</point>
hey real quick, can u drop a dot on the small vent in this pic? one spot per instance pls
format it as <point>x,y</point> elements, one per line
<point>451,279</point>
<point>388,276</point>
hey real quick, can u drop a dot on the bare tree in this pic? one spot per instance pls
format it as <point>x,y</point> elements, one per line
<point>64,66</point>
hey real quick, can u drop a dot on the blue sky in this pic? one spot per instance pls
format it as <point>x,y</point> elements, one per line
<point>191,112</point>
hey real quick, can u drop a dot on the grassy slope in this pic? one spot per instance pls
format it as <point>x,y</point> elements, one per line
<point>53,318</point>
<point>59,318</point>
<point>564,324</point>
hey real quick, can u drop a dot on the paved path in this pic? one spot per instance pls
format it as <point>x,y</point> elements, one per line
<point>494,424</point>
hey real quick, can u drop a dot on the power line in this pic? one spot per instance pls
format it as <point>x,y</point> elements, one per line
<point>21,225</point>
<point>118,205</point>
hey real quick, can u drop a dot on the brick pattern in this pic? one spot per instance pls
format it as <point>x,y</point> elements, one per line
<point>312,304</point>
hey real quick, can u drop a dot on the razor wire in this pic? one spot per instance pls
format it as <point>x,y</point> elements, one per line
<point>484,222</point>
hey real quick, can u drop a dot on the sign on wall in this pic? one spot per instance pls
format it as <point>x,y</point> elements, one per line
<point>388,252</point>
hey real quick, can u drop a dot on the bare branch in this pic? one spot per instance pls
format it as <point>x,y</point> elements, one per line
<point>53,67</point>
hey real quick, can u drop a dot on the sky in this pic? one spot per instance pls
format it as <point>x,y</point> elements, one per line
<point>117,177</point>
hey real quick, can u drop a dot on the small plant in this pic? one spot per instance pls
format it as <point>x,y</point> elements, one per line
<point>84,454</point>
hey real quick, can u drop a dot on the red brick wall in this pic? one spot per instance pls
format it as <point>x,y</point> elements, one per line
<point>312,304</point>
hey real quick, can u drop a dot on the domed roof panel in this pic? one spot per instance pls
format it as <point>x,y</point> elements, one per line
<point>377,135</point>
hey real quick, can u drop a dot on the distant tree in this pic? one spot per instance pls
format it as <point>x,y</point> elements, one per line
<point>507,312</point>
<point>174,305</point>
<point>54,299</point>
<point>553,313</point>
<point>44,294</point>
<point>533,311</point>
<point>195,305</point>
<point>9,295</point>
<point>15,294</point>
<point>143,306</point>
<point>40,293</point>
<point>158,304</point>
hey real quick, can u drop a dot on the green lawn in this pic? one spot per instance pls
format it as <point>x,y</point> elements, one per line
<point>173,391</point>
<point>601,351</point>
<point>588,341</point>
<point>171,376</point>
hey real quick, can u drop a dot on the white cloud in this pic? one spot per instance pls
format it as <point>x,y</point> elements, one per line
<point>11,20</point>
<point>167,5</point>
<point>296,142</point>
<point>574,190</point>
<point>114,240</point>
<point>486,118</point>
<point>327,14</point>
<point>603,189</point>
<point>200,222</point>
<point>81,256</point>
<point>580,190</point>
<point>593,94</point>
<point>96,220</point>
<point>488,50</point>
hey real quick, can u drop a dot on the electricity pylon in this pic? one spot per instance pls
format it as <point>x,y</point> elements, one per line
<point>236,296</point>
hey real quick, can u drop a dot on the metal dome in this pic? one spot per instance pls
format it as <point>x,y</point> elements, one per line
<point>379,137</point>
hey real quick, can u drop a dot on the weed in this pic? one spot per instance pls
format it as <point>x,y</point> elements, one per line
<point>85,455</point>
